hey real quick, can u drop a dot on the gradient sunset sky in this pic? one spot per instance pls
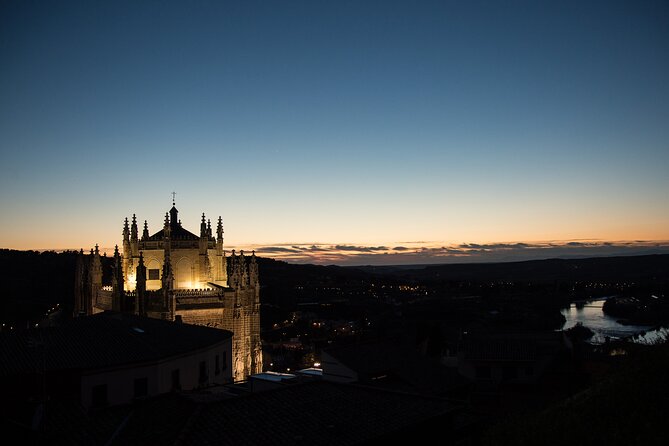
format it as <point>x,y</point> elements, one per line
<point>339,131</point>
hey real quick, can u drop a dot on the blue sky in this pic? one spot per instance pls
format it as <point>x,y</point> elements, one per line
<point>335,123</point>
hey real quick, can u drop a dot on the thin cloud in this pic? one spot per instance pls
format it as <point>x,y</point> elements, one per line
<point>360,248</point>
<point>271,249</point>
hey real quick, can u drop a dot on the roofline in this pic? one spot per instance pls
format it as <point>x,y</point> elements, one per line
<point>147,363</point>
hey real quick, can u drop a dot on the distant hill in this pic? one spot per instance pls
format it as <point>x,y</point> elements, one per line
<point>653,268</point>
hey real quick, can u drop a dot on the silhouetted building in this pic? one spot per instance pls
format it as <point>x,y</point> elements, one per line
<point>392,364</point>
<point>510,358</point>
<point>177,275</point>
<point>111,358</point>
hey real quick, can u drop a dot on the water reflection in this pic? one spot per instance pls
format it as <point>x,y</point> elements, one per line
<point>590,314</point>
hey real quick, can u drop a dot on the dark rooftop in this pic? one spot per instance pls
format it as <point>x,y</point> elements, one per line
<point>177,232</point>
<point>102,340</point>
<point>321,413</point>
<point>513,347</point>
<point>399,364</point>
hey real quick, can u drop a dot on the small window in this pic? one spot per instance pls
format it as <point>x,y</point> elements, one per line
<point>176,379</point>
<point>509,373</point>
<point>483,372</point>
<point>99,395</point>
<point>203,372</point>
<point>217,369</point>
<point>141,387</point>
<point>154,274</point>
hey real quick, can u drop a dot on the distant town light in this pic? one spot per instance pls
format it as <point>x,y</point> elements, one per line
<point>317,364</point>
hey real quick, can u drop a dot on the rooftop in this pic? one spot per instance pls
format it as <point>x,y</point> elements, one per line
<point>102,340</point>
<point>317,412</point>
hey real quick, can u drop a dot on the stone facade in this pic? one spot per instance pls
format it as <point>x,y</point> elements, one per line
<point>177,275</point>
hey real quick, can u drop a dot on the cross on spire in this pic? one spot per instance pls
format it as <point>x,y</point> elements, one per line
<point>173,198</point>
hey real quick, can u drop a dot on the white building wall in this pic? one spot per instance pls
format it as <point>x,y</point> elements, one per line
<point>120,381</point>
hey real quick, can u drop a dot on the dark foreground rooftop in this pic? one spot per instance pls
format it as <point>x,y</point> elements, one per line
<point>321,413</point>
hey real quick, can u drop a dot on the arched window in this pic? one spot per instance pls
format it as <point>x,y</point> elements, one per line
<point>184,273</point>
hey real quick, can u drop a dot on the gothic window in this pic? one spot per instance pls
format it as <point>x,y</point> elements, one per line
<point>184,273</point>
<point>154,274</point>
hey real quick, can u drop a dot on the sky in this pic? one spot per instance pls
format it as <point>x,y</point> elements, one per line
<point>338,131</point>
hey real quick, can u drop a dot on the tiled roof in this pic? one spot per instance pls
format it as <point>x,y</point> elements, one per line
<point>372,357</point>
<point>102,340</point>
<point>156,421</point>
<point>320,412</point>
<point>177,232</point>
<point>402,367</point>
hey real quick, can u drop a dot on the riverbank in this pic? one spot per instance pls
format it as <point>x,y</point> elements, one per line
<point>606,327</point>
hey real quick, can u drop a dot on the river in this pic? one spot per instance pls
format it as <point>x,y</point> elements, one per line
<point>592,316</point>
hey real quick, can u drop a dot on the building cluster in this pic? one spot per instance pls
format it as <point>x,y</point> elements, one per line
<point>169,352</point>
<point>120,378</point>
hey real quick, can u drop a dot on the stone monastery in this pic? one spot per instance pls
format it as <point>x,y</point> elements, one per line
<point>179,276</point>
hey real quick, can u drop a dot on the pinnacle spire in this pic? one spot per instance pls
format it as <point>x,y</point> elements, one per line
<point>133,228</point>
<point>203,227</point>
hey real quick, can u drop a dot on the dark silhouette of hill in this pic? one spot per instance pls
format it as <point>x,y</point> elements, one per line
<point>628,268</point>
<point>280,273</point>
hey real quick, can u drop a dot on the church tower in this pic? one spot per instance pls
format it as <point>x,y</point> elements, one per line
<point>175,274</point>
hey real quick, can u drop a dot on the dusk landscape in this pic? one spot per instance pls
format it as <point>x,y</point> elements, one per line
<point>355,209</point>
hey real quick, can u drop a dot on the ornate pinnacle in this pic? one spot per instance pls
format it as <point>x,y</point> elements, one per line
<point>219,229</point>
